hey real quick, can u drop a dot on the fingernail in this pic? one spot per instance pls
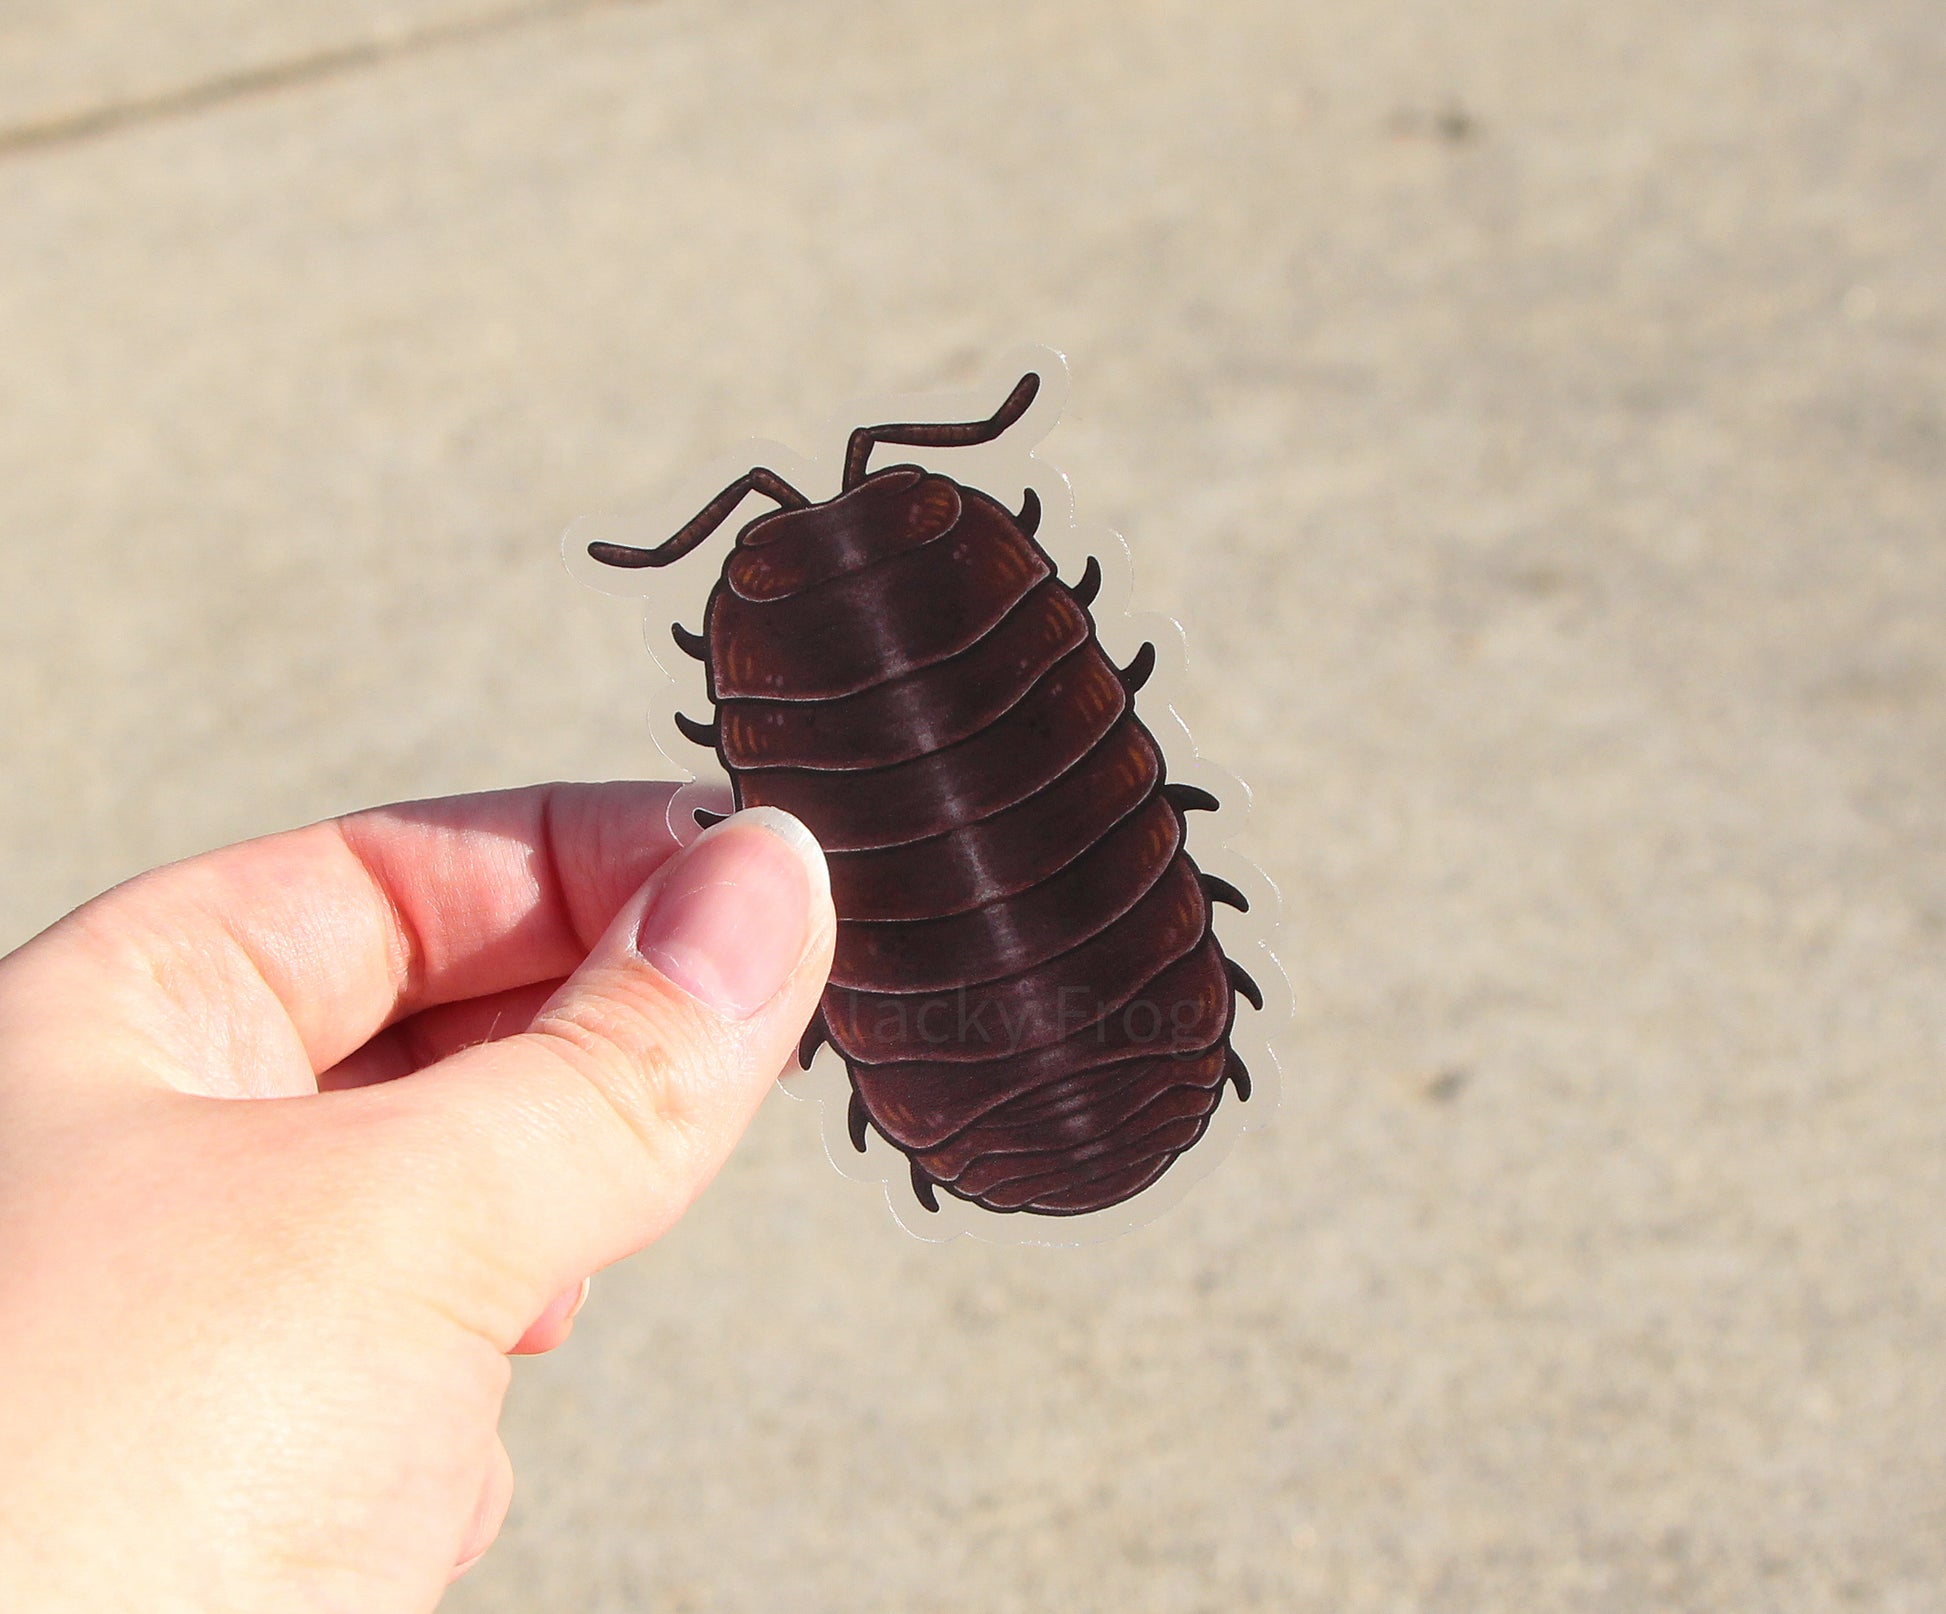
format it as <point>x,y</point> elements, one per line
<point>732,914</point>
<point>562,1309</point>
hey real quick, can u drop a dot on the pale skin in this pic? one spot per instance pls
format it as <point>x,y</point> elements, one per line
<point>301,1140</point>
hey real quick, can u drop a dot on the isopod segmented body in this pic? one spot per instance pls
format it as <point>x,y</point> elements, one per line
<point>1027,991</point>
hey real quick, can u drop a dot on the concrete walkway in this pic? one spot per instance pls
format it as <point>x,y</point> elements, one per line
<point>1534,413</point>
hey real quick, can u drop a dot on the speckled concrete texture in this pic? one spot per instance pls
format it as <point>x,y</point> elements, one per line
<point>1534,412</point>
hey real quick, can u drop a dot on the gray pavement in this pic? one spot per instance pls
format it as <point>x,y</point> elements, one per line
<point>1534,413</point>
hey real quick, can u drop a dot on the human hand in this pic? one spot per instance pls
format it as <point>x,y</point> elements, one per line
<point>252,1355</point>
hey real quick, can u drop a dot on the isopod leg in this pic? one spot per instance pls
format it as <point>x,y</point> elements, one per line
<point>1240,979</point>
<point>705,818</point>
<point>1139,671</point>
<point>1029,519</point>
<point>1089,585</point>
<point>856,1121</point>
<point>1238,1074</point>
<point>1190,799</point>
<point>922,1186</point>
<point>815,1034</point>
<point>690,644</point>
<point>1220,890</point>
<point>696,733</point>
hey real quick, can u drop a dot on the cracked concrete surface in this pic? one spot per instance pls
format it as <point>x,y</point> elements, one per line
<point>1534,413</point>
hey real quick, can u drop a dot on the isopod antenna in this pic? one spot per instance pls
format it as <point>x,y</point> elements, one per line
<point>704,522</point>
<point>938,434</point>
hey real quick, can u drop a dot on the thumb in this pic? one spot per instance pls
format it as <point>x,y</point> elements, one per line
<point>528,1163</point>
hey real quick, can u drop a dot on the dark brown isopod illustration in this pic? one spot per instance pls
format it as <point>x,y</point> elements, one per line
<point>1028,995</point>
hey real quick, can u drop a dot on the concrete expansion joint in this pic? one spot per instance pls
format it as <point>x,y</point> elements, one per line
<point>271,78</point>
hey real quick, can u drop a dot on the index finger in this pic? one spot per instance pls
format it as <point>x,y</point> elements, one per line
<point>348,925</point>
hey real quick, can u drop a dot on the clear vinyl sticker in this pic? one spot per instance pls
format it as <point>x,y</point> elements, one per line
<point>1055,996</point>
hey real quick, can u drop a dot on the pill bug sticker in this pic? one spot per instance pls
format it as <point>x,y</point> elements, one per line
<point>1039,1014</point>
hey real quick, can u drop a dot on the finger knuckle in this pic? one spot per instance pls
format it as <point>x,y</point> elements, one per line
<point>633,1063</point>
